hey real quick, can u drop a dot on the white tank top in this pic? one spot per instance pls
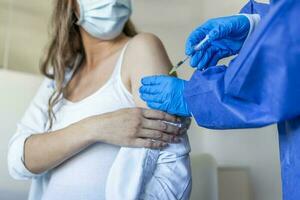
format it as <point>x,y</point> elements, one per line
<point>84,175</point>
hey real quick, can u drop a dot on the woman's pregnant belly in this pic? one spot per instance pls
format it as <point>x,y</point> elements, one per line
<point>83,176</point>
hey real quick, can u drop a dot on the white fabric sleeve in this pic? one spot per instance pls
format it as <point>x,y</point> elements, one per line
<point>171,178</point>
<point>151,174</point>
<point>254,20</point>
<point>33,122</point>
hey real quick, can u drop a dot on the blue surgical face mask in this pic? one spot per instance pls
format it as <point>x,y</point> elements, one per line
<point>104,19</point>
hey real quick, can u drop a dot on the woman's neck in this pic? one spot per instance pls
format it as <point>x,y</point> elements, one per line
<point>97,50</point>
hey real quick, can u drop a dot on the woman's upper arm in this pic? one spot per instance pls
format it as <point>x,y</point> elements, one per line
<point>145,56</point>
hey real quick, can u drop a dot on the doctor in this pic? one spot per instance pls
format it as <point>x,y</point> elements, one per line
<point>261,86</point>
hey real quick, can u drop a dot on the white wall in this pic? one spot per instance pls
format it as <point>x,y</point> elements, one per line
<point>24,24</point>
<point>16,90</point>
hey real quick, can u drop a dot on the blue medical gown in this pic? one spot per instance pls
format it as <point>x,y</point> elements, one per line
<point>258,88</point>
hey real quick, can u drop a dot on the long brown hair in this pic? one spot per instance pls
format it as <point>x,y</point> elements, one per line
<point>65,46</point>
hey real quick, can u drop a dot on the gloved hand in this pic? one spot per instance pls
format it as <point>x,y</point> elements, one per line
<point>165,93</point>
<point>226,36</point>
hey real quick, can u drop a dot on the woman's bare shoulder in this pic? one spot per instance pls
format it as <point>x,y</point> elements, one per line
<point>146,50</point>
<point>145,56</point>
<point>146,41</point>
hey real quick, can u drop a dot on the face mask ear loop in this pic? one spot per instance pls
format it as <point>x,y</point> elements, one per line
<point>81,17</point>
<point>8,37</point>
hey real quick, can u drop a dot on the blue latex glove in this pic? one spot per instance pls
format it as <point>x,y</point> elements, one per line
<point>226,38</point>
<point>165,93</point>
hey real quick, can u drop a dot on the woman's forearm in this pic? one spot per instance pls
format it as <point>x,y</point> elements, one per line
<point>46,151</point>
<point>132,127</point>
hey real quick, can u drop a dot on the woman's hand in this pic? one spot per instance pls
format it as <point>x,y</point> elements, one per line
<point>133,127</point>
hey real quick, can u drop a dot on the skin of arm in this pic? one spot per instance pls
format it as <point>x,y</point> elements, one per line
<point>64,144</point>
<point>145,56</point>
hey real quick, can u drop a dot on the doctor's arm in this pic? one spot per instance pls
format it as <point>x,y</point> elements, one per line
<point>261,86</point>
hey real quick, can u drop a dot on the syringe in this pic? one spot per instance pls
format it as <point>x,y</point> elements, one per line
<point>197,48</point>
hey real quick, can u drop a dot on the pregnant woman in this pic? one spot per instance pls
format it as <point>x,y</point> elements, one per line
<point>76,139</point>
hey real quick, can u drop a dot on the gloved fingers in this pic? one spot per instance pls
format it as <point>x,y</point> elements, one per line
<point>204,44</point>
<point>196,58</point>
<point>153,80</point>
<point>201,58</point>
<point>204,60</point>
<point>148,97</point>
<point>149,89</point>
<point>151,98</point>
<point>207,57</point>
<point>195,38</point>
<point>217,57</point>
<point>156,106</point>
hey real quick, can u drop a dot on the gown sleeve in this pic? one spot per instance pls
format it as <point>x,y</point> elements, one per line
<point>261,86</point>
<point>253,7</point>
<point>33,122</point>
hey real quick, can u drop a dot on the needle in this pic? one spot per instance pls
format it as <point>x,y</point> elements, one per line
<point>178,65</point>
<point>197,48</point>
